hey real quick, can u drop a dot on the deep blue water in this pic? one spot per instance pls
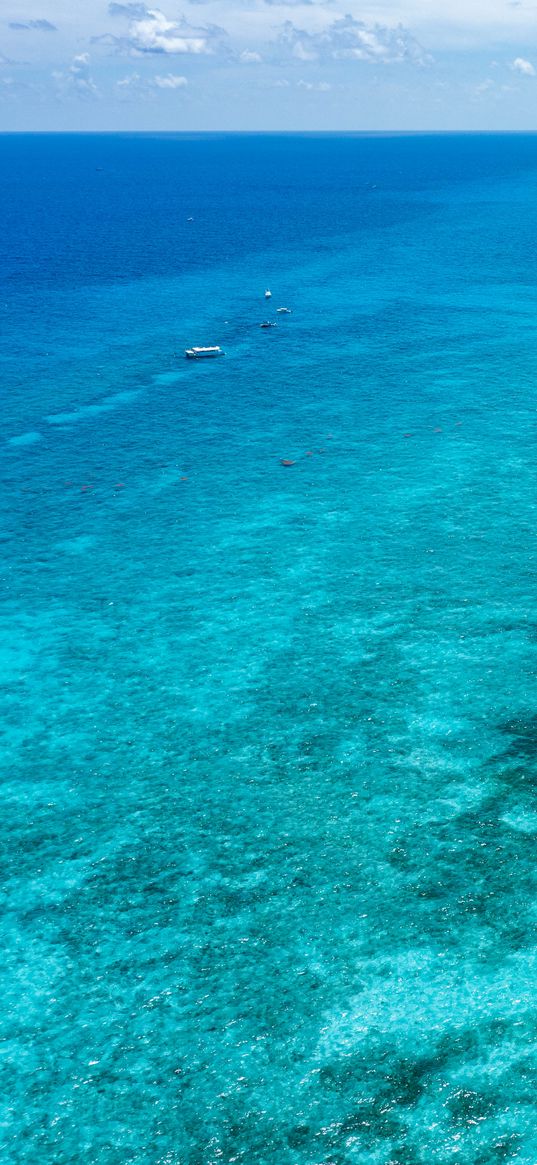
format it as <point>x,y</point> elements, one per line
<point>269,733</point>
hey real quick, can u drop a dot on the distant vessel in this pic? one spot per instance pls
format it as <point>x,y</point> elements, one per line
<point>285,310</point>
<point>268,294</point>
<point>268,324</point>
<point>203,353</point>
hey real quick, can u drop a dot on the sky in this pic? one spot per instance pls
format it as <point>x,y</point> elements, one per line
<point>268,65</point>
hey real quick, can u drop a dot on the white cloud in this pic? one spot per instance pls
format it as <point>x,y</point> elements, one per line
<point>150,32</point>
<point>350,39</point>
<point>135,87</point>
<point>521,65</point>
<point>170,81</point>
<point>154,33</point>
<point>318,86</point>
<point>128,82</point>
<point>249,58</point>
<point>77,79</point>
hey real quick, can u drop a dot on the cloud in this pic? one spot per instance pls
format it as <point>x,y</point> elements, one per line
<point>119,44</point>
<point>484,87</point>
<point>77,79</point>
<point>135,87</point>
<point>151,32</point>
<point>12,89</point>
<point>133,11</point>
<point>521,65</point>
<point>297,43</point>
<point>170,81</point>
<point>350,39</point>
<point>318,86</point>
<point>35,25</point>
<point>128,82</point>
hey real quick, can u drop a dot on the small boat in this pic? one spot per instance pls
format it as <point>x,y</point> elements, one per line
<point>284,310</point>
<point>203,353</point>
<point>268,324</point>
<point>268,294</point>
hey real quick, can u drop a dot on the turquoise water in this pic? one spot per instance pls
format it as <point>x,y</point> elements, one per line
<point>269,733</point>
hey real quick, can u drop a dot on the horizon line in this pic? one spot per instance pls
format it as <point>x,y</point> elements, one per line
<point>267,132</point>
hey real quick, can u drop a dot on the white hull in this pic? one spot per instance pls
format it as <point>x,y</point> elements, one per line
<point>202,353</point>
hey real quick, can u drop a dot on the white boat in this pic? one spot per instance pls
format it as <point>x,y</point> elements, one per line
<point>203,353</point>
<point>268,294</point>
<point>285,310</point>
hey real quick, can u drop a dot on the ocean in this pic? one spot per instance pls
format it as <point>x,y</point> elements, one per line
<point>269,732</point>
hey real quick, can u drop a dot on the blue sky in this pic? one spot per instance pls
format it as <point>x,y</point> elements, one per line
<point>268,64</point>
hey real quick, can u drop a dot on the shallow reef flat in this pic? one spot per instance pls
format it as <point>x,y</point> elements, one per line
<point>269,730</point>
